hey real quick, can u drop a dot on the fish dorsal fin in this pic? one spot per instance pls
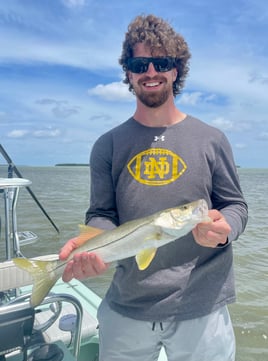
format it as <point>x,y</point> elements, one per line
<point>87,232</point>
<point>145,257</point>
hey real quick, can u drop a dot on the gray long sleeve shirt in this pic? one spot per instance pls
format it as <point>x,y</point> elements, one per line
<point>138,170</point>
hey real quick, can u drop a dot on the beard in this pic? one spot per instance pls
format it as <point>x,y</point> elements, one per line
<point>153,99</point>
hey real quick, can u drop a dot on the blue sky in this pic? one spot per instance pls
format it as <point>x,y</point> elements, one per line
<point>61,84</point>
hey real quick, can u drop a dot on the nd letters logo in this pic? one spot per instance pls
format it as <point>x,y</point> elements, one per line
<point>156,167</point>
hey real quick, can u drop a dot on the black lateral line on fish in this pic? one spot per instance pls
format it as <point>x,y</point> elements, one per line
<point>119,239</point>
<point>103,246</point>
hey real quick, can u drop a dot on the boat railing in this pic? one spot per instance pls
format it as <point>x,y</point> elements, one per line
<point>12,169</point>
<point>10,188</point>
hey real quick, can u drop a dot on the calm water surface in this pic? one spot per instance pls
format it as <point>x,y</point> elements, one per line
<point>64,194</point>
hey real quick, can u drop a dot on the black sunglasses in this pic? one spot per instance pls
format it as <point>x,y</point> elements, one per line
<point>140,65</point>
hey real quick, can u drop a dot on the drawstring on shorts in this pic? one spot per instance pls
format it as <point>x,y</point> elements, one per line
<point>160,324</point>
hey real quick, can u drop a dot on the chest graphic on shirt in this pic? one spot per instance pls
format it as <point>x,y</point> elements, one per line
<point>156,167</point>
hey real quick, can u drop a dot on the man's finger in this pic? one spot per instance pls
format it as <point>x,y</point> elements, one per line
<point>68,248</point>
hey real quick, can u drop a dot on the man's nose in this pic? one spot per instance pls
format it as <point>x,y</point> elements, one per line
<point>151,69</point>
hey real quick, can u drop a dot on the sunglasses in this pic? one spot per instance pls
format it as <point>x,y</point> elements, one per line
<point>140,65</point>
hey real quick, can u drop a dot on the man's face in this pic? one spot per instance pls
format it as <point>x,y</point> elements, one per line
<point>152,88</point>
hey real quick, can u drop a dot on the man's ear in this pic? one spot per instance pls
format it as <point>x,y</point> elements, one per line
<point>174,74</point>
<point>129,76</point>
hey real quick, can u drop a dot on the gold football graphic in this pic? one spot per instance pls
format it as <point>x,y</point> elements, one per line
<point>156,167</point>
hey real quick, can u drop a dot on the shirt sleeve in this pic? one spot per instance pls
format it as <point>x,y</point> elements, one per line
<point>227,195</point>
<point>102,212</point>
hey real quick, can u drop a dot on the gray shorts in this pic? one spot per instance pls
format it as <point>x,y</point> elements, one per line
<point>208,338</point>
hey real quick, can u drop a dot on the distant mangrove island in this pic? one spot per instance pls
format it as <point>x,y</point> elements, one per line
<point>72,165</point>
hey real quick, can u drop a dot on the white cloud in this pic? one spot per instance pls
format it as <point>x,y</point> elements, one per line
<point>17,133</point>
<point>60,108</point>
<point>240,145</point>
<point>223,123</point>
<point>195,98</point>
<point>73,3</point>
<point>190,98</point>
<point>230,77</point>
<point>258,78</point>
<point>47,133</point>
<point>263,136</point>
<point>116,91</point>
<point>80,54</point>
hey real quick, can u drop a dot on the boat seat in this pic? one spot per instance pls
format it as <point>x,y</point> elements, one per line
<point>19,323</point>
<point>13,277</point>
<point>58,332</point>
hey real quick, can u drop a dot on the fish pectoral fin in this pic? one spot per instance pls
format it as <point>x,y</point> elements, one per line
<point>145,257</point>
<point>86,232</point>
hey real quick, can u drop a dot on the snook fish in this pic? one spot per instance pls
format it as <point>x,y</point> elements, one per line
<point>139,238</point>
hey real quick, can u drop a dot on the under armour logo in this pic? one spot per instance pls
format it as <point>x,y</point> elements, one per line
<point>156,138</point>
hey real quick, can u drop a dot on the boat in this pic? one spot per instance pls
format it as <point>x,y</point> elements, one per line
<point>64,326</point>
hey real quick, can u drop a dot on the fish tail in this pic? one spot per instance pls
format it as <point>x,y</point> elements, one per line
<point>43,274</point>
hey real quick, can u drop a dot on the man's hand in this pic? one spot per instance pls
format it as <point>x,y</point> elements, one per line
<point>212,234</point>
<point>82,265</point>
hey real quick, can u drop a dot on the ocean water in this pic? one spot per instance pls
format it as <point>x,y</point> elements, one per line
<point>64,194</point>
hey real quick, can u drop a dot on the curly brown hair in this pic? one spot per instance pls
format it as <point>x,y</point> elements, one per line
<point>160,37</point>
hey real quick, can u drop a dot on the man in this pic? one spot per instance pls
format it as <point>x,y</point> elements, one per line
<point>161,158</point>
